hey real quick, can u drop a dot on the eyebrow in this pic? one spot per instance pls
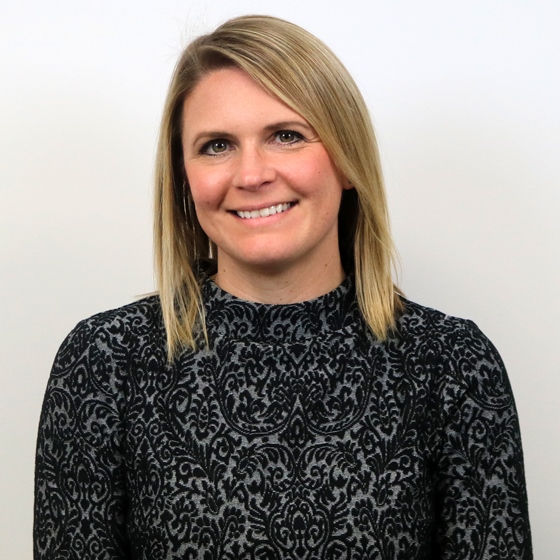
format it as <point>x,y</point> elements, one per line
<point>289,124</point>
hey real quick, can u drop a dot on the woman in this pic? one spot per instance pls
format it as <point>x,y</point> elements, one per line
<point>279,398</point>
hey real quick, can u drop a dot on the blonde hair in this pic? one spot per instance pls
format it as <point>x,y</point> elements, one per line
<point>297,68</point>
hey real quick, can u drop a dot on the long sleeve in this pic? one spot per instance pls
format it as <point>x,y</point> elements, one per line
<point>481,497</point>
<point>80,504</point>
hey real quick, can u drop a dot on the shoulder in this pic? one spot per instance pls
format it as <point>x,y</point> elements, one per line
<point>419,321</point>
<point>114,338</point>
<point>137,319</point>
<point>455,351</point>
<point>426,326</point>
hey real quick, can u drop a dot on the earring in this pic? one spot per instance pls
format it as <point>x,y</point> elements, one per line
<point>184,196</point>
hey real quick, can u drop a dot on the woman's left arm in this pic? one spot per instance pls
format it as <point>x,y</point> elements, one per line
<point>481,499</point>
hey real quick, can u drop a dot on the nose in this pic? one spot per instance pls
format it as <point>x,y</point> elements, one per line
<point>254,168</point>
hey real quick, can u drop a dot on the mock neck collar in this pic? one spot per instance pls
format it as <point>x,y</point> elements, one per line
<point>228,316</point>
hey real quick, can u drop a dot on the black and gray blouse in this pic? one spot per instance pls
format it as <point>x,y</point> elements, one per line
<point>294,435</point>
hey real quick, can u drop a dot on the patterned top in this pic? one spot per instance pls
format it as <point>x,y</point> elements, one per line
<point>294,435</point>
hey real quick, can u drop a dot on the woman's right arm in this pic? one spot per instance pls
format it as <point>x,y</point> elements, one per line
<point>80,496</point>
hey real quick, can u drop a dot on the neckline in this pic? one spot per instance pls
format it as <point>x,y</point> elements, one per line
<point>211,289</point>
<point>228,316</point>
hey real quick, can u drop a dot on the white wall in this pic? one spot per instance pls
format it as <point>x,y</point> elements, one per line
<point>466,101</point>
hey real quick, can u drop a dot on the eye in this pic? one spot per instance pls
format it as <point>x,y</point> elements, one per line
<point>215,147</point>
<point>288,137</point>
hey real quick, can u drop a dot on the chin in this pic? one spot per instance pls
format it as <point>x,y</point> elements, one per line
<point>266,260</point>
<point>269,264</point>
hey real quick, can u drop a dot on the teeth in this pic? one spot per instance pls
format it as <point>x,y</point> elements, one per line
<point>264,212</point>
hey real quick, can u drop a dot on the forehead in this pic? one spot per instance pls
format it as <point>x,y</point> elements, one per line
<point>229,96</point>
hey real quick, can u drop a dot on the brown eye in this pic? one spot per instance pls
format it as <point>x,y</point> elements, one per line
<point>218,146</point>
<point>288,137</point>
<point>215,147</point>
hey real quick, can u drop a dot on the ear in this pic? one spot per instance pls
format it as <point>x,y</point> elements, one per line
<point>347,184</point>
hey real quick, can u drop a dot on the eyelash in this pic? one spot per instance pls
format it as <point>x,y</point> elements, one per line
<point>205,148</point>
<point>297,136</point>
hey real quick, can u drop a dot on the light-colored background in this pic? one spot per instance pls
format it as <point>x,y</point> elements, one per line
<point>466,101</point>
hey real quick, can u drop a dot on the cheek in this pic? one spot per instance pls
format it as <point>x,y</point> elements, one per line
<point>204,185</point>
<point>316,174</point>
<point>307,177</point>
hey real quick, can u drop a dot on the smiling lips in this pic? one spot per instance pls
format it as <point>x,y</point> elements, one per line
<point>264,212</point>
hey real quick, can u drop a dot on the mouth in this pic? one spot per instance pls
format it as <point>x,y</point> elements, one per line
<point>264,212</point>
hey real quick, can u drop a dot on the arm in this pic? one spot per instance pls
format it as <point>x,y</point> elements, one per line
<point>80,499</point>
<point>481,498</point>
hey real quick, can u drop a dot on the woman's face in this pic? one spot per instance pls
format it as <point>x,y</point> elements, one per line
<point>264,188</point>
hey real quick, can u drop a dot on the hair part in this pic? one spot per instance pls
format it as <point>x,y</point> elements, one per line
<point>301,71</point>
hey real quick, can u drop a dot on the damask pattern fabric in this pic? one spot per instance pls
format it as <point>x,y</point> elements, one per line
<point>294,434</point>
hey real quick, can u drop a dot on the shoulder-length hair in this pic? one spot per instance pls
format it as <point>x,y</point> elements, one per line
<point>297,68</point>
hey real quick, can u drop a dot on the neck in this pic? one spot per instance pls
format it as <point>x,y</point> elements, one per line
<point>289,285</point>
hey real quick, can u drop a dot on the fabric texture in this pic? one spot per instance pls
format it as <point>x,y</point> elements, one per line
<point>294,435</point>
